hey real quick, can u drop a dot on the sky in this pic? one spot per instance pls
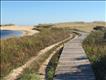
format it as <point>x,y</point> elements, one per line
<point>37,12</point>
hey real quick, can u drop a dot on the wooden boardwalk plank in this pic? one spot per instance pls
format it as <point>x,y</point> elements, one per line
<point>73,63</point>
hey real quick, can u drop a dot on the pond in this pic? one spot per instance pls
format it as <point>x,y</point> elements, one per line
<point>4,34</point>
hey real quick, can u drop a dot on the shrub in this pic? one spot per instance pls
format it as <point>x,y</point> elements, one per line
<point>7,25</point>
<point>99,28</point>
<point>95,48</point>
<point>105,35</point>
<point>42,26</point>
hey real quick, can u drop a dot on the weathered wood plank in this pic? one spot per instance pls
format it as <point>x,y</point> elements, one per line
<point>73,63</point>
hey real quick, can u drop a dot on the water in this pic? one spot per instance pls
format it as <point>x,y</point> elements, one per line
<point>4,34</point>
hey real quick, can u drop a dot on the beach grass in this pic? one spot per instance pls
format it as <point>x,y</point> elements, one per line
<point>33,71</point>
<point>51,67</point>
<point>16,51</point>
<point>95,47</point>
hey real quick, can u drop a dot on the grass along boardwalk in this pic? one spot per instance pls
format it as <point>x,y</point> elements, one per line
<point>73,63</point>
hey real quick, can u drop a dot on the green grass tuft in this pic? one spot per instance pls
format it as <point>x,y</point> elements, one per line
<point>95,47</point>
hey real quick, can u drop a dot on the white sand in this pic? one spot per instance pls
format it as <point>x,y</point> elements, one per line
<point>27,30</point>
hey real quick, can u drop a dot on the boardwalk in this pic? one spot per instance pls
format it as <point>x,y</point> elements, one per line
<point>73,62</point>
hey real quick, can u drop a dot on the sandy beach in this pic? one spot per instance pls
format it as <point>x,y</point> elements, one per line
<point>27,30</point>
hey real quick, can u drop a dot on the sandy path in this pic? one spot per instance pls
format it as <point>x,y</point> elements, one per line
<point>27,30</point>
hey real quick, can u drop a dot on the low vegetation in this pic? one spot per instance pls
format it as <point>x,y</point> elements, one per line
<point>7,25</point>
<point>82,26</point>
<point>43,26</point>
<point>16,51</point>
<point>32,73</point>
<point>50,71</point>
<point>95,47</point>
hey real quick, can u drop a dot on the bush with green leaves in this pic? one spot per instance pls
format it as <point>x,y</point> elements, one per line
<point>95,47</point>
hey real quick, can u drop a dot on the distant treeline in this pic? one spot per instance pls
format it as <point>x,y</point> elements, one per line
<point>7,25</point>
<point>43,25</point>
<point>82,22</point>
<point>51,24</point>
<point>71,23</point>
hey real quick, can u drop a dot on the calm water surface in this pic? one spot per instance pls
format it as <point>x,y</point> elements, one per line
<point>4,34</point>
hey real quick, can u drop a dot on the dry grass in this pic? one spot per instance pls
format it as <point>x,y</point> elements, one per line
<point>80,25</point>
<point>95,47</point>
<point>16,51</point>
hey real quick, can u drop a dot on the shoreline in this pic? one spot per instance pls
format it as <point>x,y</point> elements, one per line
<point>27,30</point>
